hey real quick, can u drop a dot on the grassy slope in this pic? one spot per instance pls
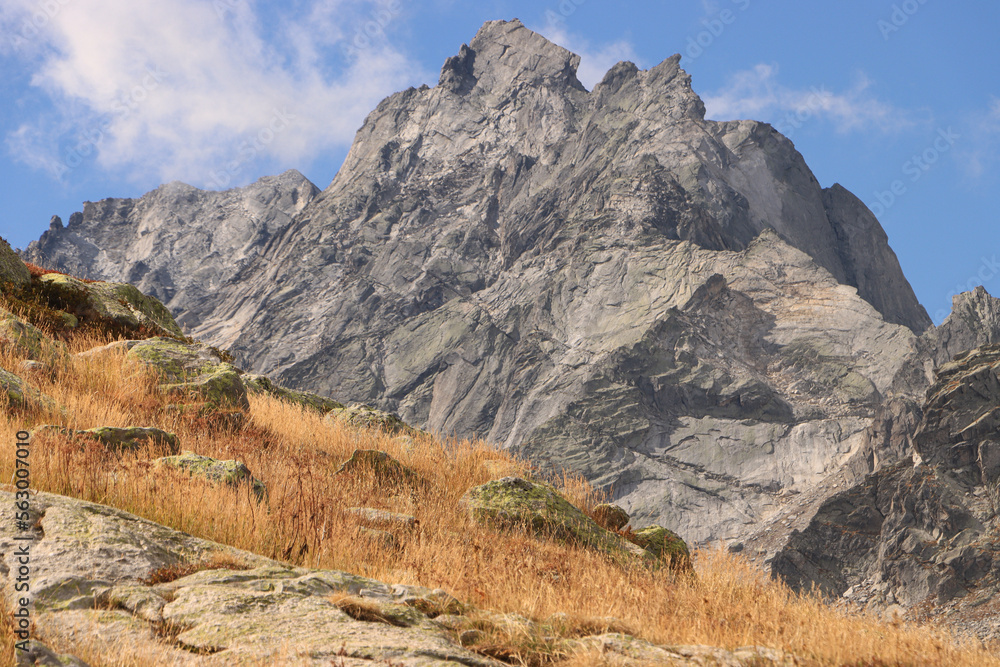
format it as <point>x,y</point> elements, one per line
<point>728,603</point>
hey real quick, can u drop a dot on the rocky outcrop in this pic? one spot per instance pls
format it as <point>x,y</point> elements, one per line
<point>177,243</point>
<point>922,531</point>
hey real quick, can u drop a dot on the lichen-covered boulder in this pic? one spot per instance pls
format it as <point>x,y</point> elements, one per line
<point>364,416</point>
<point>194,370</point>
<point>610,516</point>
<point>664,544</point>
<point>259,384</point>
<point>37,653</point>
<point>12,270</point>
<point>230,472</point>
<point>373,461</point>
<point>513,502</point>
<point>118,303</point>
<point>29,340</point>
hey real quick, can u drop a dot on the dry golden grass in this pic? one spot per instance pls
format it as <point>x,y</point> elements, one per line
<point>728,603</point>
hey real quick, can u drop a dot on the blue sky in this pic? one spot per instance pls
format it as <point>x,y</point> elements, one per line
<point>899,101</point>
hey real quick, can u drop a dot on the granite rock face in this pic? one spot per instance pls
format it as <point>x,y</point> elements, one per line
<point>602,280</point>
<point>177,243</point>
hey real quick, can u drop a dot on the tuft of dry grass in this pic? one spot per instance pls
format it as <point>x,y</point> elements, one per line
<point>568,591</point>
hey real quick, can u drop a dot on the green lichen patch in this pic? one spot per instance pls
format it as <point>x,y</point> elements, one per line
<point>364,416</point>
<point>664,544</point>
<point>229,472</point>
<point>513,502</point>
<point>259,384</point>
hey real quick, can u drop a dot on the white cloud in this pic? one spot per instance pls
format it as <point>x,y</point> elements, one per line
<point>198,90</point>
<point>594,62</point>
<point>979,151</point>
<point>756,93</point>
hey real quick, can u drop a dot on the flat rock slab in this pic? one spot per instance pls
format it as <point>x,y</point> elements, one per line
<point>89,570</point>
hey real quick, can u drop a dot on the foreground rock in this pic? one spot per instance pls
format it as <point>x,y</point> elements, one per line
<point>115,439</point>
<point>365,416</point>
<point>100,576</point>
<point>258,384</point>
<point>30,341</point>
<point>13,271</point>
<point>18,394</point>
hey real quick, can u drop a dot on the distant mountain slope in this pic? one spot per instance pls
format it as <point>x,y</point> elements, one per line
<point>177,243</point>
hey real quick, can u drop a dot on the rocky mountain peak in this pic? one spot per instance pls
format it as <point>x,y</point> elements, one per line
<point>505,56</point>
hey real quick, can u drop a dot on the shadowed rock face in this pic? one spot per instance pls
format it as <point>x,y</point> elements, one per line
<point>923,531</point>
<point>602,279</point>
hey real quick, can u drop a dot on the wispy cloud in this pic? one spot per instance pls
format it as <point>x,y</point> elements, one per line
<point>594,61</point>
<point>182,88</point>
<point>756,93</point>
<point>980,155</point>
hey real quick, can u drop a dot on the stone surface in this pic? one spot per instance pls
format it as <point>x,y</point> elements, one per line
<point>382,518</point>
<point>84,556</point>
<point>664,544</point>
<point>610,517</point>
<point>20,395</point>
<point>372,461</point>
<point>112,303</point>
<point>12,269</point>
<point>38,653</point>
<point>117,439</point>
<point>177,243</point>
<point>232,473</point>
<point>30,341</point>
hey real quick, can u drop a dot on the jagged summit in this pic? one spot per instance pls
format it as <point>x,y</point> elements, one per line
<point>504,56</point>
